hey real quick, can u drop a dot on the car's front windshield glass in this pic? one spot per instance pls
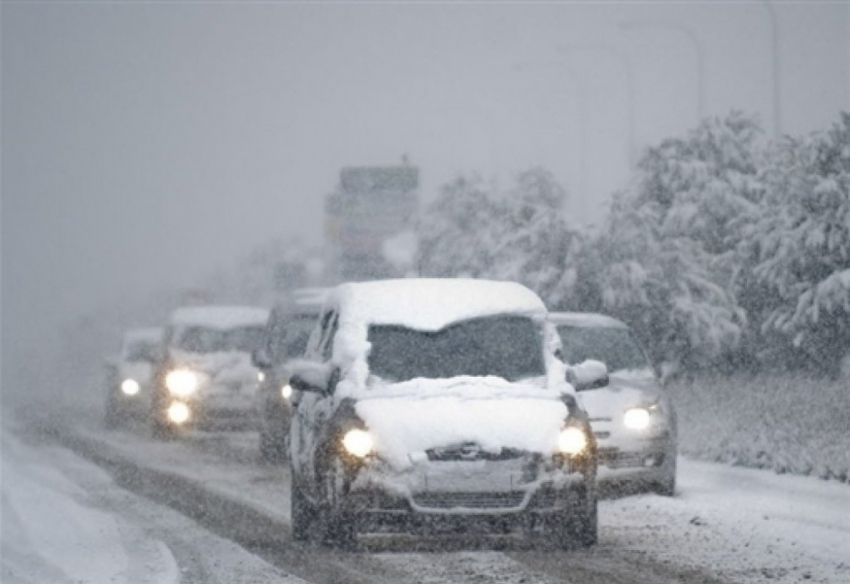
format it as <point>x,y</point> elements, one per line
<point>199,339</point>
<point>504,346</point>
<point>616,347</point>
<point>291,339</point>
<point>141,351</point>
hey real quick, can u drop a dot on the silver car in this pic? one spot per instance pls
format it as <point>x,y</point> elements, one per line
<point>632,417</point>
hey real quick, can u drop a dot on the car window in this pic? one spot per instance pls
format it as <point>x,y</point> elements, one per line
<point>510,347</point>
<point>616,347</point>
<point>200,339</point>
<point>328,343</point>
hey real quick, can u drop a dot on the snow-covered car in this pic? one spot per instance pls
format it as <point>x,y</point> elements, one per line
<point>285,338</point>
<point>633,418</point>
<point>206,377</point>
<point>128,393</point>
<point>429,404</point>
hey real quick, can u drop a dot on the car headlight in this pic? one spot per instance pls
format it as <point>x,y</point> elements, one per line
<point>572,441</point>
<point>178,412</point>
<point>286,391</point>
<point>358,442</point>
<point>261,377</point>
<point>130,387</point>
<point>636,419</point>
<point>182,382</point>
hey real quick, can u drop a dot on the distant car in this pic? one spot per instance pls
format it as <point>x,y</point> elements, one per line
<point>128,392</point>
<point>205,377</point>
<point>632,417</point>
<point>417,410</point>
<point>286,334</point>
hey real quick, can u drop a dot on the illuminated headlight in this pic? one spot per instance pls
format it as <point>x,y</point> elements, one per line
<point>261,377</point>
<point>286,391</point>
<point>358,442</point>
<point>178,412</point>
<point>130,387</point>
<point>182,382</point>
<point>572,441</point>
<point>636,418</point>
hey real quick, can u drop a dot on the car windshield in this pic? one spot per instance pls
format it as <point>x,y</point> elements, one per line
<point>510,347</point>
<point>616,347</point>
<point>198,339</point>
<point>290,338</point>
<point>141,351</point>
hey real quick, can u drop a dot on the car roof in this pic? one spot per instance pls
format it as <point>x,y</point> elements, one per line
<point>586,320</point>
<point>222,317</point>
<point>431,304</point>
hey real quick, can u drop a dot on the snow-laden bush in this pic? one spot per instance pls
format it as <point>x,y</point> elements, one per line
<point>790,423</point>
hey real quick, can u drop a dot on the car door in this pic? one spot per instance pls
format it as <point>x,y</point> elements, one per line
<point>313,409</point>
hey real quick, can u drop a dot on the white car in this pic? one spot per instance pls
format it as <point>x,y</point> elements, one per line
<point>206,377</point>
<point>632,416</point>
<point>128,392</point>
<point>429,404</point>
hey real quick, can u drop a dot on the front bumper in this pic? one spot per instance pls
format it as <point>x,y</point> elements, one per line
<point>488,495</point>
<point>637,462</point>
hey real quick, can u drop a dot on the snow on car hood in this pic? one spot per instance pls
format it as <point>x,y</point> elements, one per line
<point>627,389</point>
<point>224,367</point>
<point>407,419</point>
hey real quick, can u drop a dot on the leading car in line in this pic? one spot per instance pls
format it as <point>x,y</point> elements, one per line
<point>424,405</point>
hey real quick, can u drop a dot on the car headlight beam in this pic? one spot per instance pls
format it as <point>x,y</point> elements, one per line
<point>358,442</point>
<point>286,391</point>
<point>636,419</point>
<point>179,413</point>
<point>182,382</point>
<point>129,387</point>
<point>572,441</point>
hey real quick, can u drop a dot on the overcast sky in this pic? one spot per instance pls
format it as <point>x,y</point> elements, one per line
<point>144,144</point>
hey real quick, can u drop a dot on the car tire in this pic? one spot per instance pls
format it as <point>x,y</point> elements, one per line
<point>666,487</point>
<point>273,448</point>
<point>574,528</point>
<point>302,513</point>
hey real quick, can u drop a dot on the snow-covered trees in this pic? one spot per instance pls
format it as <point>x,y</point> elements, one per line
<point>798,247</point>
<point>723,250</point>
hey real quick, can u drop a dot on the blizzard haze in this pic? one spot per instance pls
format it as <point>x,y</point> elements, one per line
<point>146,144</point>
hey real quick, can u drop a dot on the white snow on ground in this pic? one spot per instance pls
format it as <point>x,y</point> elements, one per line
<point>50,534</point>
<point>65,522</point>
<point>748,526</point>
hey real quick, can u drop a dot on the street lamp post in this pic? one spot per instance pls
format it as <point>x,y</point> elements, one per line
<point>698,53</point>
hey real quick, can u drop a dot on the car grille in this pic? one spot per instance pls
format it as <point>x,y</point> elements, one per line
<point>470,451</point>
<point>509,500</point>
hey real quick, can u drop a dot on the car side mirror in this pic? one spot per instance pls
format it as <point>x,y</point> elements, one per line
<point>260,359</point>
<point>590,374</point>
<point>310,376</point>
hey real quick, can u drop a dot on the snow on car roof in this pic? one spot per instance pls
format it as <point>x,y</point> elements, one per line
<point>431,304</point>
<point>143,334</point>
<point>223,317</point>
<point>586,320</point>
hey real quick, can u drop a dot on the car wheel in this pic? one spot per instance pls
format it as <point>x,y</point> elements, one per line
<point>339,529</point>
<point>666,487</point>
<point>574,528</point>
<point>302,513</point>
<point>273,448</point>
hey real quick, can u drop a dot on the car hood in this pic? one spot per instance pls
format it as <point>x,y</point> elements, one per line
<point>140,372</point>
<point>625,390</point>
<point>226,367</point>
<point>408,419</point>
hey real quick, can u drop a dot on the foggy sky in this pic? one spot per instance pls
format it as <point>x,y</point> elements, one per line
<point>145,144</point>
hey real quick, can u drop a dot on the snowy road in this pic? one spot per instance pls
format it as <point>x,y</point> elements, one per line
<point>725,525</point>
